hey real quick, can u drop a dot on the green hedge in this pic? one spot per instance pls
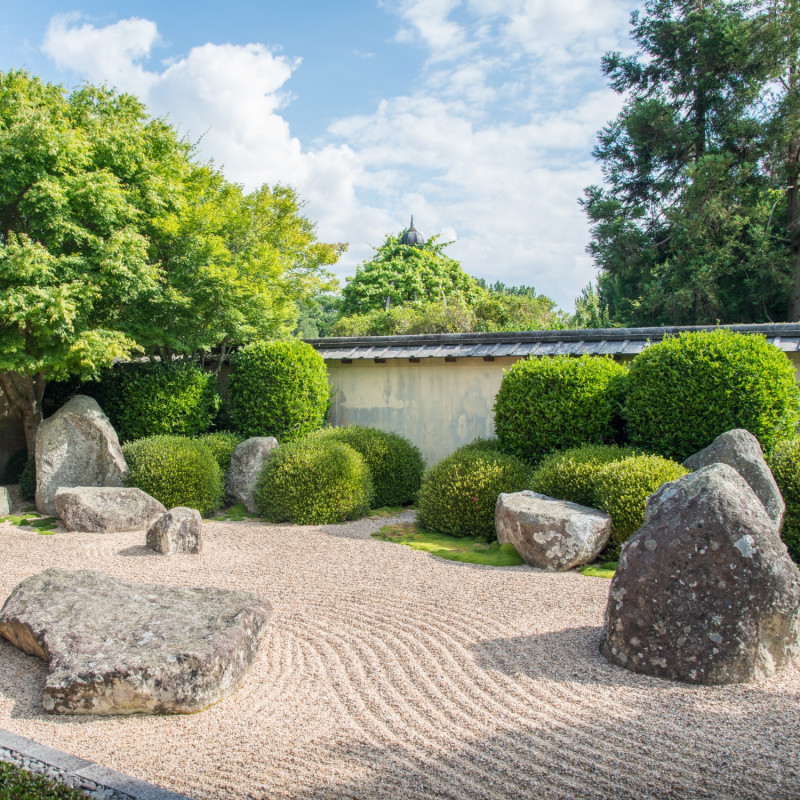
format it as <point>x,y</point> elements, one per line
<point>27,480</point>
<point>570,474</point>
<point>14,467</point>
<point>459,494</point>
<point>685,391</point>
<point>395,464</point>
<point>177,471</point>
<point>784,462</point>
<point>221,444</point>
<point>314,482</point>
<point>278,389</point>
<point>622,489</point>
<point>143,400</point>
<point>551,403</point>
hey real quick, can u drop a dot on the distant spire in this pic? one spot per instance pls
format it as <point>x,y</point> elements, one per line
<point>412,236</point>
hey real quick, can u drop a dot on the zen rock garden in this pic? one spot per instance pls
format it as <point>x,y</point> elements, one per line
<point>705,591</point>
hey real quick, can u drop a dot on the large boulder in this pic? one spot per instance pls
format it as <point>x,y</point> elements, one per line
<point>742,451</point>
<point>76,447</point>
<point>705,591</point>
<point>5,501</point>
<point>120,648</point>
<point>247,462</point>
<point>106,509</point>
<point>548,533</point>
<point>177,531</point>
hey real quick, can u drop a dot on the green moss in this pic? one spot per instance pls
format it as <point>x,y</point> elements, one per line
<point>470,549</point>
<point>19,784</point>
<point>604,570</point>
<point>237,513</point>
<point>44,525</point>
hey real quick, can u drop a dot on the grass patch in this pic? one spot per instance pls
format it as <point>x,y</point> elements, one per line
<point>468,548</point>
<point>386,511</point>
<point>237,513</point>
<point>19,784</point>
<point>44,525</point>
<point>604,570</point>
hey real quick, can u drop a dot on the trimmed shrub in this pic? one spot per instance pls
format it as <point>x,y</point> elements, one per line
<point>278,389</point>
<point>622,489</point>
<point>395,464</point>
<point>177,471</point>
<point>481,444</point>
<point>551,403</point>
<point>27,480</point>
<point>784,461</point>
<point>221,444</point>
<point>459,494</point>
<point>314,482</point>
<point>14,467</point>
<point>685,391</point>
<point>144,400</point>
<point>570,474</point>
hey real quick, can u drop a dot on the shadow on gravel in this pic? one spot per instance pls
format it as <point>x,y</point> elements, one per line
<point>137,551</point>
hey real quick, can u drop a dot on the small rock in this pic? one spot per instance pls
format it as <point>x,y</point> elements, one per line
<point>115,647</point>
<point>742,451</point>
<point>5,502</point>
<point>76,447</point>
<point>106,509</point>
<point>247,462</point>
<point>548,533</point>
<point>178,531</point>
<point>705,591</point>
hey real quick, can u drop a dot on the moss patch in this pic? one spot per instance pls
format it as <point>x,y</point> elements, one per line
<point>386,511</point>
<point>237,513</point>
<point>19,784</point>
<point>44,525</point>
<point>604,570</point>
<point>470,549</point>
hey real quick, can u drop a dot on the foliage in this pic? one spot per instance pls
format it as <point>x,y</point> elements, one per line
<point>395,464</point>
<point>176,470</point>
<point>545,404</point>
<point>491,444</point>
<point>317,315</point>
<point>314,482</point>
<point>590,310</point>
<point>689,227</point>
<point>158,398</point>
<point>221,444</point>
<point>784,462</point>
<point>19,784</point>
<point>684,391</point>
<point>459,494</point>
<point>27,480</point>
<point>469,549</point>
<point>278,389</point>
<point>570,474</point>
<point>622,489</point>
<point>14,467</point>
<point>605,569</point>
<point>403,273</point>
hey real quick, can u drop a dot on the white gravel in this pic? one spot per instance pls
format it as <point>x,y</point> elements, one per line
<point>388,673</point>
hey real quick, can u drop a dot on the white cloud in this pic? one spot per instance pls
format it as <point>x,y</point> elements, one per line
<point>492,147</point>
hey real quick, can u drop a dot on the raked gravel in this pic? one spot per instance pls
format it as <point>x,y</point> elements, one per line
<point>388,673</point>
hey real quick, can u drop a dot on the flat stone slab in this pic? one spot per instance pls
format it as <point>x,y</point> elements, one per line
<point>106,509</point>
<point>549,533</point>
<point>115,647</point>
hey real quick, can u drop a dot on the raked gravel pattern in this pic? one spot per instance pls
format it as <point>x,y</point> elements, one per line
<point>388,673</point>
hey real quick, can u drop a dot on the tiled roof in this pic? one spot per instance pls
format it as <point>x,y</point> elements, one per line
<point>600,341</point>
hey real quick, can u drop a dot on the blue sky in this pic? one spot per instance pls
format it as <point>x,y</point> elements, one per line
<point>476,116</point>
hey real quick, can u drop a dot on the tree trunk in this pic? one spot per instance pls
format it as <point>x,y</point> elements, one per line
<point>25,393</point>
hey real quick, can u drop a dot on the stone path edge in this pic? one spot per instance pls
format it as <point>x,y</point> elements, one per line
<point>78,773</point>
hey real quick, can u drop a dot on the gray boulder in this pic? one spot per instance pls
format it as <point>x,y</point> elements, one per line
<point>178,531</point>
<point>548,533</point>
<point>742,451</point>
<point>106,509</point>
<point>5,502</point>
<point>246,463</point>
<point>705,591</point>
<point>76,447</point>
<point>120,648</point>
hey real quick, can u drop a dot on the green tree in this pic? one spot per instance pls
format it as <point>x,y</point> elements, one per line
<point>80,174</point>
<point>400,274</point>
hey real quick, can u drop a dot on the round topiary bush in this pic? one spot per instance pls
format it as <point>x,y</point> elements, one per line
<point>395,464</point>
<point>622,489</point>
<point>143,400</point>
<point>176,470</point>
<point>27,480</point>
<point>551,403</point>
<point>685,391</point>
<point>221,444</point>
<point>784,461</point>
<point>458,495</point>
<point>278,389</point>
<point>314,482</point>
<point>570,474</point>
<point>482,444</point>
